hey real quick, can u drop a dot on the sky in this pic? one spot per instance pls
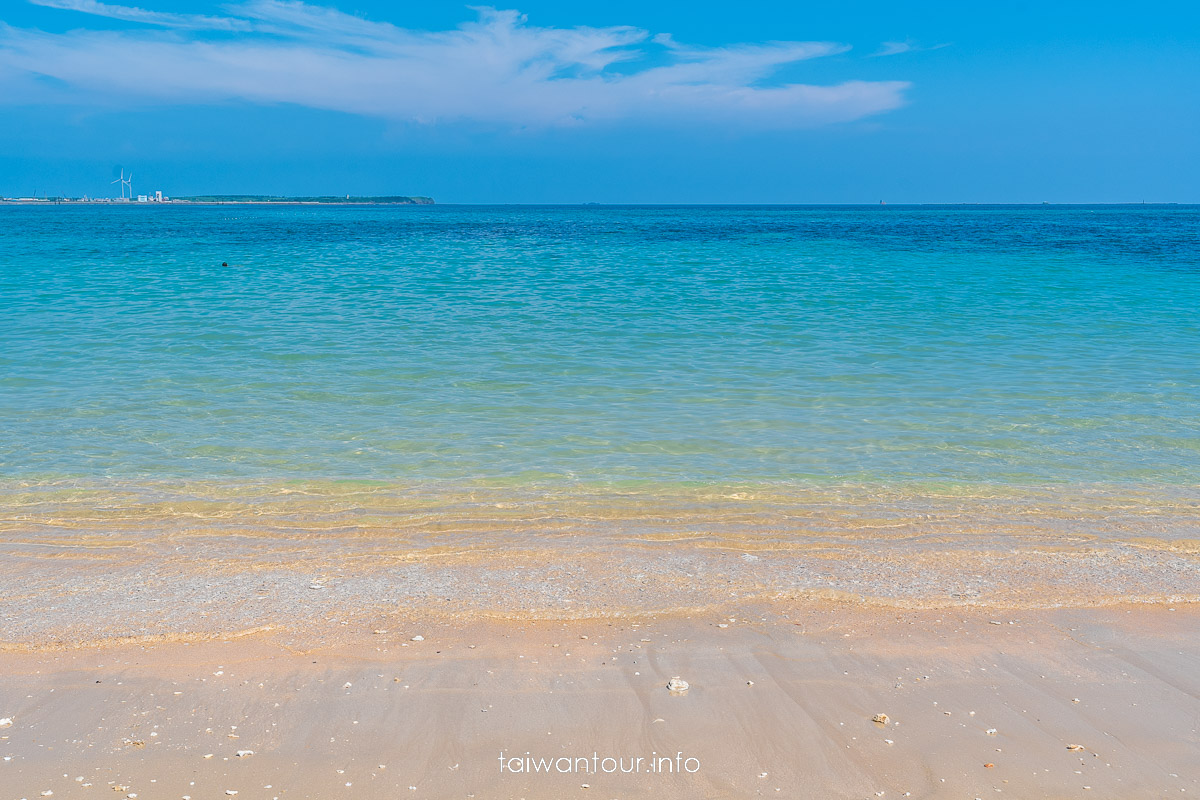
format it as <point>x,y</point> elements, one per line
<point>549,101</point>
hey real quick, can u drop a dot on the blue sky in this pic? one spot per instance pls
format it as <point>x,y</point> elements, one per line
<point>539,101</point>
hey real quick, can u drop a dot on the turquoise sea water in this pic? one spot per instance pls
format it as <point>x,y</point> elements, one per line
<point>589,411</point>
<point>605,346</point>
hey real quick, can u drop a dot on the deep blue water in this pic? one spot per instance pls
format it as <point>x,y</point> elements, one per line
<point>1011,345</point>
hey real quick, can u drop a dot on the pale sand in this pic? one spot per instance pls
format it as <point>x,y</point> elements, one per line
<point>436,714</point>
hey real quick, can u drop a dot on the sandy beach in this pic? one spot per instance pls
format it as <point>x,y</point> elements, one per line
<point>1030,703</point>
<point>363,642</point>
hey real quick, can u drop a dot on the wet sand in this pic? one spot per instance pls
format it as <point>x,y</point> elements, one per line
<point>780,704</point>
<point>81,564</point>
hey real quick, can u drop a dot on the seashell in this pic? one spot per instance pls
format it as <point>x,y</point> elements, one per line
<point>991,731</point>
<point>678,685</point>
<point>1076,747</point>
<point>418,638</point>
<point>882,719</point>
<point>4,723</point>
<point>244,753</point>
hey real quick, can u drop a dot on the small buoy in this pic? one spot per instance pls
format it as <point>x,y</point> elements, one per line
<point>224,263</point>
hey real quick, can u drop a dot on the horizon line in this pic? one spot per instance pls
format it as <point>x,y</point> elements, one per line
<point>368,200</point>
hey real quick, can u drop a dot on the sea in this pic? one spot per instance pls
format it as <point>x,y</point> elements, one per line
<point>470,374</point>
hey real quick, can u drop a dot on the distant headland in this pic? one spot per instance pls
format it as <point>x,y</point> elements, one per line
<point>390,200</point>
<point>244,199</point>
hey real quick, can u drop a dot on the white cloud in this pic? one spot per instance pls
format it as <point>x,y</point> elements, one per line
<point>130,14</point>
<point>893,48</point>
<point>497,69</point>
<point>896,48</point>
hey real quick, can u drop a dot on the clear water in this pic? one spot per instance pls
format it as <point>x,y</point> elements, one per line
<point>603,346</point>
<point>589,411</point>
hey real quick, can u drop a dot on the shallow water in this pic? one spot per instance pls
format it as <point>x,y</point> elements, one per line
<point>936,389</point>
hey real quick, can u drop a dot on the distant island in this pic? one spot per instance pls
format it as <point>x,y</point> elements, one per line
<point>257,199</point>
<point>391,200</point>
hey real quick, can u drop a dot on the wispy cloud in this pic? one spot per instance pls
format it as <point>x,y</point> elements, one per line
<point>896,48</point>
<point>131,14</point>
<point>496,69</point>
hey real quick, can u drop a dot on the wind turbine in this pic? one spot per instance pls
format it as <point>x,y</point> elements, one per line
<point>125,182</point>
